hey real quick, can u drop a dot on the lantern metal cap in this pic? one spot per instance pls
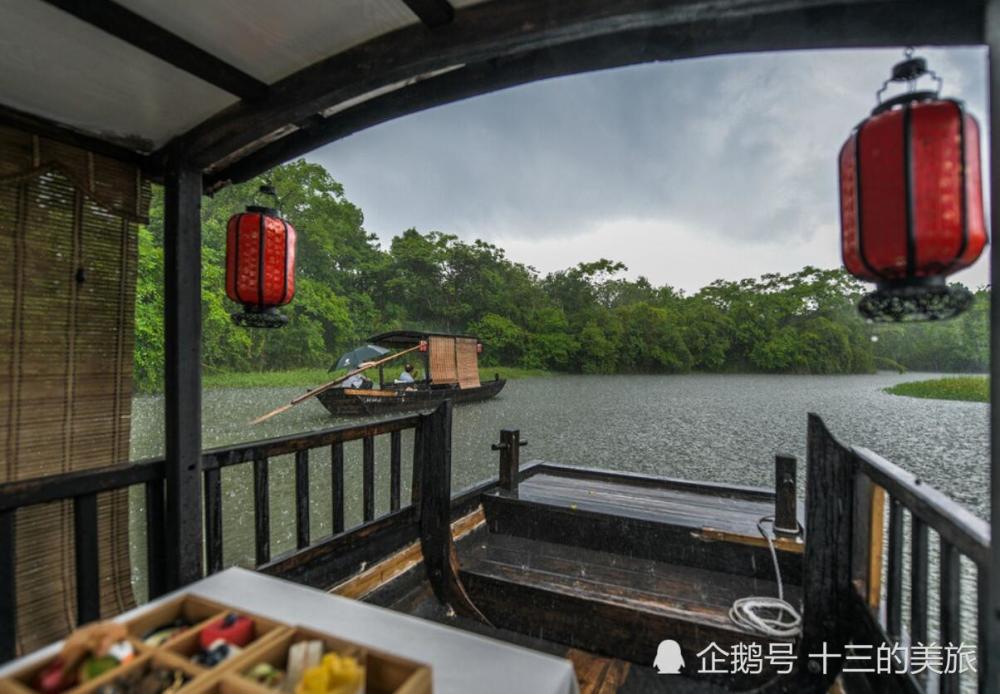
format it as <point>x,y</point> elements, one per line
<point>252,317</point>
<point>923,299</point>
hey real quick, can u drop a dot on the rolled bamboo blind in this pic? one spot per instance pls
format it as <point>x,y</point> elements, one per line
<point>441,351</point>
<point>467,360</point>
<point>68,242</point>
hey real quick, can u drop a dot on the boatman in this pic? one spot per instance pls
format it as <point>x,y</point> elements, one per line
<point>407,375</point>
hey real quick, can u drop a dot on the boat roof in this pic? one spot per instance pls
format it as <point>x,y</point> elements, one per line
<point>231,89</point>
<point>408,338</point>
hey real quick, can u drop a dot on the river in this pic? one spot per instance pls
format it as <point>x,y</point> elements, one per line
<point>723,428</point>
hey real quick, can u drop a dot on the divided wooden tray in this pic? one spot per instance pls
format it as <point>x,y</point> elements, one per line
<point>385,673</point>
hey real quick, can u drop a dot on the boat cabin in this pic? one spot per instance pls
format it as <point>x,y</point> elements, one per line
<point>580,580</point>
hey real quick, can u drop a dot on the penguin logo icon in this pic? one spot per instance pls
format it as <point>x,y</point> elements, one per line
<point>669,660</point>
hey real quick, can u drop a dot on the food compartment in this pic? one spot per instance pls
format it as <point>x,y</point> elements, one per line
<point>172,619</point>
<point>159,672</point>
<point>223,637</point>
<point>48,676</point>
<point>383,673</point>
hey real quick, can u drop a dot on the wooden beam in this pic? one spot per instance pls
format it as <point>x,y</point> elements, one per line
<point>433,13</point>
<point>182,329</point>
<point>567,38</point>
<point>135,29</point>
<point>826,580</point>
<point>990,631</point>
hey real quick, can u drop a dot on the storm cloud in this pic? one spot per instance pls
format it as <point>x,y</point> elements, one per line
<point>686,171</point>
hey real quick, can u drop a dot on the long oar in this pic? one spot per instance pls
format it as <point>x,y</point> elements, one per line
<point>327,386</point>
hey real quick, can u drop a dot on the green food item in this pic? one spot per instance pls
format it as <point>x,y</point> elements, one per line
<point>95,667</point>
<point>265,674</point>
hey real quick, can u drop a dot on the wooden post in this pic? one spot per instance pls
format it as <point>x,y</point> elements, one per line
<point>510,459</point>
<point>8,588</point>
<point>434,503</point>
<point>786,522</point>
<point>990,669</point>
<point>182,382</point>
<point>826,583</point>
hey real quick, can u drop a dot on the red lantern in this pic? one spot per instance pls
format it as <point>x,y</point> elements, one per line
<point>911,201</point>
<point>260,265</point>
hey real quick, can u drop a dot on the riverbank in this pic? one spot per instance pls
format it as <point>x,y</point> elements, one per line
<point>964,388</point>
<point>313,377</point>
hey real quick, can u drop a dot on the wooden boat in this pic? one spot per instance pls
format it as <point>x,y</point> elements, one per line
<point>451,372</point>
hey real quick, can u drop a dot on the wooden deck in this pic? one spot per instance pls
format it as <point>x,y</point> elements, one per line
<point>679,503</point>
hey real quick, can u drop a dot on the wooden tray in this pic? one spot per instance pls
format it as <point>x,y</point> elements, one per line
<point>384,673</point>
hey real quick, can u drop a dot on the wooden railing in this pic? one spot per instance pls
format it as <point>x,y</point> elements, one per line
<point>348,549</point>
<point>850,547</point>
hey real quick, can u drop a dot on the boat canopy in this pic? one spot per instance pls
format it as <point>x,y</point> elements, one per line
<point>409,338</point>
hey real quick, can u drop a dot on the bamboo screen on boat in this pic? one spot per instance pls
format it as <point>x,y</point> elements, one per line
<point>467,361</point>
<point>441,351</point>
<point>68,243</point>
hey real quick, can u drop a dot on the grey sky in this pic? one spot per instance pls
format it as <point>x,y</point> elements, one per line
<point>686,171</point>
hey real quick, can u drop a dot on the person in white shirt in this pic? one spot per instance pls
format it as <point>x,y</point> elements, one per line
<point>407,375</point>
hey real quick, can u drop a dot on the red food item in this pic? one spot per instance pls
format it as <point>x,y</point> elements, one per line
<point>54,678</point>
<point>232,628</point>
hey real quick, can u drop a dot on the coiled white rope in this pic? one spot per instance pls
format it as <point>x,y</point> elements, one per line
<point>774,617</point>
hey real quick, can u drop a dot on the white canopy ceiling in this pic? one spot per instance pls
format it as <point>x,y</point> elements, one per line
<point>59,67</point>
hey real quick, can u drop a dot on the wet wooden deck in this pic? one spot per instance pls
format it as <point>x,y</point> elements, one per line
<point>693,505</point>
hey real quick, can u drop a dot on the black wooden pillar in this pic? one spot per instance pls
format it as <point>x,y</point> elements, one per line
<point>182,328</point>
<point>990,677</point>
<point>826,580</point>
<point>786,522</point>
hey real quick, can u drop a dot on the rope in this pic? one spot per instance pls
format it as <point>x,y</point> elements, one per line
<point>774,617</point>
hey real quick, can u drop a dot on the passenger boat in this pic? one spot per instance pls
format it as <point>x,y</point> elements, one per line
<point>451,372</point>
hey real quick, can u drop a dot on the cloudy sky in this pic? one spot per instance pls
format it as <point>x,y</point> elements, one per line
<point>685,171</point>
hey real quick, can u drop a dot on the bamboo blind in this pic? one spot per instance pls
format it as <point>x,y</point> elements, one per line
<point>441,351</point>
<point>67,291</point>
<point>467,361</point>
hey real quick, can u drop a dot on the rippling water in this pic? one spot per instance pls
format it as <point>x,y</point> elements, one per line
<point>719,428</point>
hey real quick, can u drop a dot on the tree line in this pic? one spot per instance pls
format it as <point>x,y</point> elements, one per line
<point>586,319</point>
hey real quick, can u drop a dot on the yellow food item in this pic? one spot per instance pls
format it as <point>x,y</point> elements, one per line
<point>336,674</point>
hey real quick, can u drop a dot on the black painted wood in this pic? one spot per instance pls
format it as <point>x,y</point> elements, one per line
<point>433,13</point>
<point>510,459</point>
<point>156,520</point>
<point>283,445</point>
<point>894,587</point>
<point>337,486</point>
<point>8,586</point>
<point>950,604</point>
<point>918,581</point>
<point>88,579</point>
<point>262,511</point>
<point>435,493</point>
<point>213,520</point>
<point>302,499</point>
<point>634,537</point>
<point>41,490</point>
<point>395,469</point>
<point>182,381</point>
<point>368,477</point>
<point>786,520</point>
<point>990,574</point>
<point>569,38</point>
<point>145,35</point>
<point>827,590</point>
<point>969,533</point>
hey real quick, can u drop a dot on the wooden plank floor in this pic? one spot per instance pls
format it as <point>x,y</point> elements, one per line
<point>669,589</point>
<point>675,506</point>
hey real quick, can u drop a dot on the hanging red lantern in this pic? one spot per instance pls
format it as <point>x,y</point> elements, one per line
<point>260,265</point>
<point>911,201</point>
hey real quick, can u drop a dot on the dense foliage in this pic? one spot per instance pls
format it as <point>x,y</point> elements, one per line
<point>587,319</point>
